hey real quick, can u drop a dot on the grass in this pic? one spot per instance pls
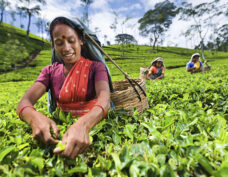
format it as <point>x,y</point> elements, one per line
<point>130,62</point>
<point>141,56</point>
<point>15,47</point>
<point>134,56</point>
<point>187,117</point>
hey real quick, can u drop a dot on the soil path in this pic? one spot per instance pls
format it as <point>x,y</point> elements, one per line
<point>32,57</point>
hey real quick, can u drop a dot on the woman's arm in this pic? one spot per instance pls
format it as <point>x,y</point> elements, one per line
<point>160,77</point>
<point>40,124</point>
<point>148,76</point>
<point>97,114</point>
<point>76,137</point>
<point>203,69</point>
<point>191,69</point>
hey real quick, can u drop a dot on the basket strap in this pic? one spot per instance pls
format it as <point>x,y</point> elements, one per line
<point>144,93</point>
<point>95,43</point>
<point>125,74</point>
<point>136,91</point>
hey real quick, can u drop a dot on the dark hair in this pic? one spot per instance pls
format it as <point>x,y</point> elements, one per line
<point>154,63</point>
<point>196,56</point>
<point>85,51</point>
<point>65,21</point>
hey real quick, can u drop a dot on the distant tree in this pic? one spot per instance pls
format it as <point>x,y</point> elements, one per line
<point>97,30</point>
<point>12,14</point>
<point>119,23</point>
<point>157,20</point>
<point>151,40</point>
<point>46,29</point>
<point>105,39</point>
<point>113,26</point>
<point>124,22</point>
<point>202,15</point>
<point>223,36</point>
<point>218,39</point>
<point>221,42</point>
<point>85,17</point>
<point>31,10</point>
<point>125,39</point>
<point>3,5</point>
<point>40,25</point>
<point>21,16</point>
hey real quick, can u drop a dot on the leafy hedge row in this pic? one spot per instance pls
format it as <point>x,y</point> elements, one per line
<point>183,133</point>
<point>16,48</point>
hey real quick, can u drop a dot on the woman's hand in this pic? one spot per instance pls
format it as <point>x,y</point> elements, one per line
<point>148,77</point>
<point>41,126</point>
<point>76,140</point>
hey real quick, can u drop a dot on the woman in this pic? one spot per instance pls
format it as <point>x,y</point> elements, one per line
<point>79,86</point>
<point>157,69</point>
<point>195,65</point>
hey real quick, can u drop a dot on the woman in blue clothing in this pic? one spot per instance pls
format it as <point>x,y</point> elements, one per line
<point>195,65</point>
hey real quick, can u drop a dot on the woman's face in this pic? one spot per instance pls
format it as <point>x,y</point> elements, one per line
<point>67,43</point>
<point>158,64</point>
<point>195,59</point>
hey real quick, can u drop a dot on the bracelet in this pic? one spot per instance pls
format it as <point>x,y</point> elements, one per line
<point>20,111</point>
<point>102,109</point>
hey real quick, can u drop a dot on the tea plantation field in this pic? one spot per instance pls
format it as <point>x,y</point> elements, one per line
<point>183,133</point>
<point>16,49</point>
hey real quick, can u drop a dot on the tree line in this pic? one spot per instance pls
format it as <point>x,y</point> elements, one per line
<point>154,24</point>
<point>29,8</point>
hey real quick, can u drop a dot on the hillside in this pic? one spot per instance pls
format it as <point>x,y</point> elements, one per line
<point>182,133</point>
<point>16,50</point>
<point>134,58</point>
<point>141,56</point>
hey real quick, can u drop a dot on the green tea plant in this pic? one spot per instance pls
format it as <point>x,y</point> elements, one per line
<point>183,133</point>
<point>15,48</point>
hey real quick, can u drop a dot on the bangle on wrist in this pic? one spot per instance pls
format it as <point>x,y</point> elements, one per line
<point>20,111</point>
<point>104,112</point>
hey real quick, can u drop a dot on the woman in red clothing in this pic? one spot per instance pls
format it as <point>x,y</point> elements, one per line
<point>157,69</point>
<point>79,85</point>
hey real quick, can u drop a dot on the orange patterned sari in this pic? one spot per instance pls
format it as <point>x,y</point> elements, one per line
<point>72,97</point>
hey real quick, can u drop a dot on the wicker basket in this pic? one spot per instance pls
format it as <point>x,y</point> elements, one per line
<point>143,73</point>
<point>126,98</point>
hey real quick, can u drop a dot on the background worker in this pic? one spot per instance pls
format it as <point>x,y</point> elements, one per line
<point>157,69</point>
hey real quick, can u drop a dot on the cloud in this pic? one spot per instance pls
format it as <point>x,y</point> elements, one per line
<point>14,4</point>
<point>103,21</point>
<point>100,4</point>
<point>52,8</point>
<point>132,7</point>
<point>101,17</point>
<point>194,2</point>
<point>60,8</point>
<point>174,36</point>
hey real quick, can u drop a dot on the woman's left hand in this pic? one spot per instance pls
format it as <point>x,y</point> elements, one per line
<point>76,140</point>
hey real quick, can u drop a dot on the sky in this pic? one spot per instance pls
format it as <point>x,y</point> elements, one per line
<point>102,15</point>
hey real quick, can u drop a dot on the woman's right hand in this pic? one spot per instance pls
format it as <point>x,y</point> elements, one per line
<point>41,126</point>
